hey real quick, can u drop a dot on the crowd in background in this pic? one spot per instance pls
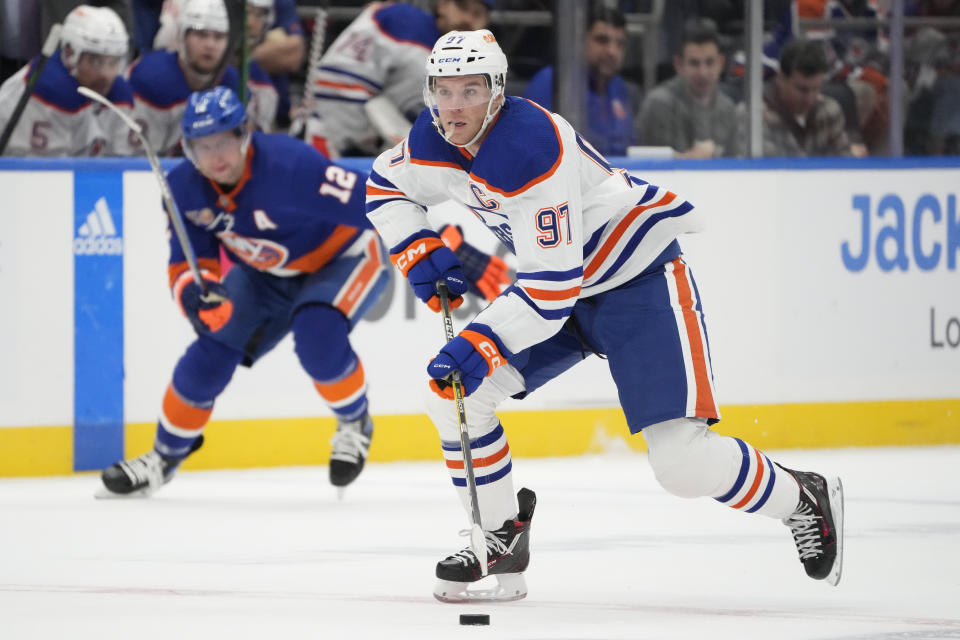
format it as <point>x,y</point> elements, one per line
<point>825,90</point>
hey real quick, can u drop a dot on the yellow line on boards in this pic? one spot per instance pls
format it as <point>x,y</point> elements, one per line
<point>237,444</point>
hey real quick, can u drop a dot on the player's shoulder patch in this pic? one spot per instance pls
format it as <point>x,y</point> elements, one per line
<point>408,24</point>
<point>523,148</point>
<point>56,87</point>
<point>427,146</point>
<point>158,80</point>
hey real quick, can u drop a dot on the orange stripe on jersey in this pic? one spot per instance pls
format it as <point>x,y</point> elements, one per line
<point>181,414</point>
<point>620,230</point>
<point>549,172</point>
<point>343,389</point>
<point>357,286</point>
<point>436,163</point>
<point>344,85</point>
<point>377,191</point>
<point>548,294</point>
<point>176,269</point>
<point>320,256</point>
<point>706,406</point>
<point>482,462</point>
<point>754,486</point>
<point>225,200</point>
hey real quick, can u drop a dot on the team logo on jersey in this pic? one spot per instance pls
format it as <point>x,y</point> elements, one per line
<point>202,218</point>
<point>258,253</point>
<point>98,235</point>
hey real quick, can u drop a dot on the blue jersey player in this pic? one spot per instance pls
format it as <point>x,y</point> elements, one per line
<point>306,262</point>
<point>599,271</point>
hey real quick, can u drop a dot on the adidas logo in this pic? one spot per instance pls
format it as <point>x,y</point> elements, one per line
<point>98,235</point>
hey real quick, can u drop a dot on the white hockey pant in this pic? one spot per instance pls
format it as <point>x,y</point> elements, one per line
<point>489,449</point>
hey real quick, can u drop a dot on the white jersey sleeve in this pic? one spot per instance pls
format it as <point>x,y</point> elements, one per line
<point>397,198</point>
<point>381,53</point>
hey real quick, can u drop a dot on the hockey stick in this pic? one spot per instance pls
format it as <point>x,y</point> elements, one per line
<point>244,61</point>
<point>317,42</point>
<point>237,30</point>
<point>477,540</point>
<point>175,218</point>
<point>49,47</point>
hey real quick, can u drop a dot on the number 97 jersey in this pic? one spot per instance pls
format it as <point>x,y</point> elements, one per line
<point>577,225</point>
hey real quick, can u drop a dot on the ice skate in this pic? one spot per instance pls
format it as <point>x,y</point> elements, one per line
<point>142,476</point>
<point>508,554</point>
<point>350,445</point>
<point>817,525</point>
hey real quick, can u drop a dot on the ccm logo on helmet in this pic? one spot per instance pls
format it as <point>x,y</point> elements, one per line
<point>442,60</point>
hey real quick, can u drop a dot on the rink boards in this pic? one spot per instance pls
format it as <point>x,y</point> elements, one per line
<point>830,289</point>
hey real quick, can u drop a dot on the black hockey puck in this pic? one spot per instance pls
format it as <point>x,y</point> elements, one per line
<point>474,618</point>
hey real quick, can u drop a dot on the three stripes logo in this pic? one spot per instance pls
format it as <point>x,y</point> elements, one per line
<point>98,235</point>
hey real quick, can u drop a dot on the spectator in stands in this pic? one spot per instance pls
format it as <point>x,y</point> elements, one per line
<point>688,112</point>
<point>368,88</point>
<point>163,80</point>
<point>59,121</point>
<point>798,120</point>
<point>609,102</point>
<point>282,51</point>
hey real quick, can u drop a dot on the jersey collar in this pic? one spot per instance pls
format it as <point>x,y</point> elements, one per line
<point>226,200</point>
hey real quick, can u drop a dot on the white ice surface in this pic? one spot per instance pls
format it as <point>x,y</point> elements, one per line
<point>274,554</point>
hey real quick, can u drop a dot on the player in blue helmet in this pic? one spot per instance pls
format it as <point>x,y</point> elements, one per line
<point>307,262</point>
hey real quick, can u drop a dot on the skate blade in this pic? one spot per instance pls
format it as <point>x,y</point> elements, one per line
<point>105,494</point>
<point>835,491</point>
<point>506,588</point>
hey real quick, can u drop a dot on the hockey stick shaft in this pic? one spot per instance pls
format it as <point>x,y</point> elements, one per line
<point>244,62</point>
<point>236,32</point>
<point>49,46</point>
<point>172,210</point>
<point>317,42</point>
<point>477,539</point>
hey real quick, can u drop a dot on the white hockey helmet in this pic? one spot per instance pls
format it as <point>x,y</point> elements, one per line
<point>265,4</point>
<point>203,15</point>
<point>89,29</point>
<point>466,53</point>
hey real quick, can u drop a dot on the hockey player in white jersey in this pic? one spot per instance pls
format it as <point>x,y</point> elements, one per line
<point>368,87</point>
<point>599,271</point>
<point>58,121</point>
<point>163,80</point>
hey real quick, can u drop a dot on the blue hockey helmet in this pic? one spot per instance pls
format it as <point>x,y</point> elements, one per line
<point>211,112</point>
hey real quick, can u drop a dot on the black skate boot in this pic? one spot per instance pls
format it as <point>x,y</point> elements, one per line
<point>817,525</point>
<point>350,445</point>
<point>142,476</point>
<point>508,554</point>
